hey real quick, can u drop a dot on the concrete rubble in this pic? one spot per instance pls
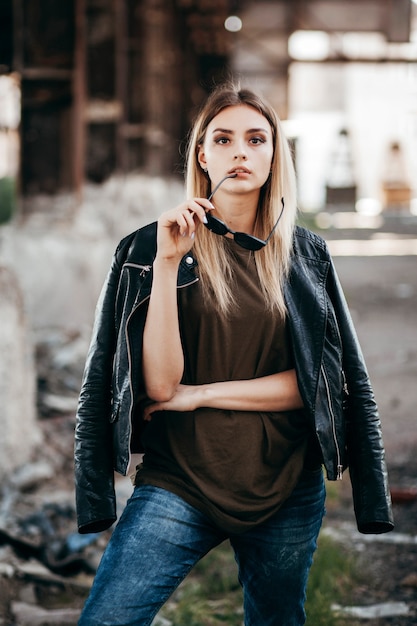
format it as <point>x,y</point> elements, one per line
<point>385,609</point>
<point>17,376</point>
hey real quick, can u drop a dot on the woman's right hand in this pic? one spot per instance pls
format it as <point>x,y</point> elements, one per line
<point>177,228</point>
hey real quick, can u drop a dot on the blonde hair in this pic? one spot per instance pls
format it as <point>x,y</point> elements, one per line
<point>272,261</point>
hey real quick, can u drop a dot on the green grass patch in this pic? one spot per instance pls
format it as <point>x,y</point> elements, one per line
<point>333,577</point>
<point>7,199</point>
<point>211,594</point>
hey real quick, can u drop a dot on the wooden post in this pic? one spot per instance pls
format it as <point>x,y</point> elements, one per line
<point>18,56</point>
<point>79,99</point>
<point>121,65</point>
<point>18,36</point>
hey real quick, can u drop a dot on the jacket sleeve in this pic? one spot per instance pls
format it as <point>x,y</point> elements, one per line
<point>93,462</point>
<point>365,448</point>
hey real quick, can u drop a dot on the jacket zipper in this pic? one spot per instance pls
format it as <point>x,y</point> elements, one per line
<point>339,475</point>
<point>145,269</point>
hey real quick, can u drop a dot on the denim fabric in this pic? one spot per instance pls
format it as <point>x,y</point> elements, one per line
<point>160,537</point>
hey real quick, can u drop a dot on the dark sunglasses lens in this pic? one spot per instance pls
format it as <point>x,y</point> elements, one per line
<point>248,242</point>
<point>215,225</point>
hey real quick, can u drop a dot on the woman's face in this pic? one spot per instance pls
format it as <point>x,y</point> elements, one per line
<point>238,141</point>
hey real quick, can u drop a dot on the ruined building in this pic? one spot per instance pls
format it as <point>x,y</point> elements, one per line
<point>104,83</point>
<point>110,85</point>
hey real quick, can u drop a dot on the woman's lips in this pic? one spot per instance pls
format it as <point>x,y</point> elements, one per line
<point>240,170</point>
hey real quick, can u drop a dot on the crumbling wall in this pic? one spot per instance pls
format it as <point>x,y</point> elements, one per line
<point>19,432</point>
<point>53,264</point>
<point>62,256</point>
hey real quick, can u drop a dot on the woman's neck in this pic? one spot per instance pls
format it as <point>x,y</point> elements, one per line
<point>238,211</point>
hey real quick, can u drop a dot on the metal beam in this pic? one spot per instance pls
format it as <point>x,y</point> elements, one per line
<point>390,17</point>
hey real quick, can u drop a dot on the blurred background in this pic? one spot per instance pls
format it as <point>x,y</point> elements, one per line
<point>96,99</point>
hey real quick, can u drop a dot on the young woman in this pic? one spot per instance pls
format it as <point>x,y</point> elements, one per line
<point>224,350</point>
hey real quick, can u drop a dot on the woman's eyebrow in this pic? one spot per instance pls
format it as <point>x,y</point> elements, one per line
<point>258,130</point>
<point>223,130</point>
<point>231,132</point>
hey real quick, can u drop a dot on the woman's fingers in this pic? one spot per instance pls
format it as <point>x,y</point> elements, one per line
<point>195,208</point>
<point>200,206</point>
<point>184,215</point>
<point>178,226</point>
<point>148,411</point>
<point>188,216</point>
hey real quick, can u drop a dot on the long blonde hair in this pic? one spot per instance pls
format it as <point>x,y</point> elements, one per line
<point>272,261</point>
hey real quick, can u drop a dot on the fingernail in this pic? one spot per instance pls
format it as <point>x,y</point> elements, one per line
<point>211,205</point>
<point>205,220</point>
<point>192,235</point>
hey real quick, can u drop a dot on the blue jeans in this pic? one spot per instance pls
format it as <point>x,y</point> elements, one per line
<point>160,537</point>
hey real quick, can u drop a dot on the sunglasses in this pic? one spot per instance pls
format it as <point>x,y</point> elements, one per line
<point>244,240</point>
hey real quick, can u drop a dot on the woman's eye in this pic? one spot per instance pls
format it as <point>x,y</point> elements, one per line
<point>257,140</point>
<point>222,140</point>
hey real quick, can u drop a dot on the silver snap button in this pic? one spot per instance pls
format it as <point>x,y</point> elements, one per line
<point>189,260</point>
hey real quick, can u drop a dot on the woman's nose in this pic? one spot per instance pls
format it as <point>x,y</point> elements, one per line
<point>240,149</point>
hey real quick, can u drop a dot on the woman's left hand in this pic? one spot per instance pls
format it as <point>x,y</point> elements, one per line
<point>184,399</point>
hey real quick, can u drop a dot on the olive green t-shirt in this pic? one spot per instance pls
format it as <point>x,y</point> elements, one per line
<point>238,467</point>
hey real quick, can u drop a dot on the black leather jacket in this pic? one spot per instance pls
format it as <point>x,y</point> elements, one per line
<point>331,372</point>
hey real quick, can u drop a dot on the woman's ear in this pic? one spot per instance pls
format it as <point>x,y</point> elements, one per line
<point>201,158</point>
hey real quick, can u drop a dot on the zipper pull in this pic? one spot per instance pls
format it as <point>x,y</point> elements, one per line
<point>145,270</point>
<point>339,472</point>
<point>345,387</point>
